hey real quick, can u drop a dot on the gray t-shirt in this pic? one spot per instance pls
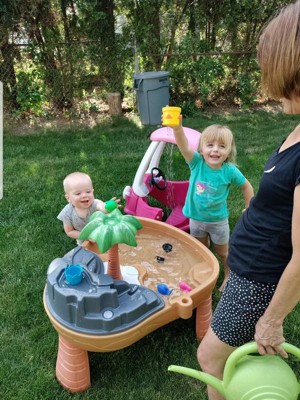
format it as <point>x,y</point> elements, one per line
<point>68,215</point>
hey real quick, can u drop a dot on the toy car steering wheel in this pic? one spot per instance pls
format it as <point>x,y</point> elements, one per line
<point>158,178</point>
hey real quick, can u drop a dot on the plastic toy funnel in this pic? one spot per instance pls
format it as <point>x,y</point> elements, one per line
<point>171,116</point>
<point>73,274</point>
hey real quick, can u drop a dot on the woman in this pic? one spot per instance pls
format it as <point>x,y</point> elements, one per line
<point>264,250</point>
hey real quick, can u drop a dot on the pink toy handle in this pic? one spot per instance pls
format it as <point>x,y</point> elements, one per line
<point>184,286</point>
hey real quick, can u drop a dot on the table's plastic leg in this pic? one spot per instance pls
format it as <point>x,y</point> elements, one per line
<point>72,367</point>
<point>203,317</point>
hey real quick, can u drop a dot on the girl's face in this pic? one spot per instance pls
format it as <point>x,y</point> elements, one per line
<point>214,154</point>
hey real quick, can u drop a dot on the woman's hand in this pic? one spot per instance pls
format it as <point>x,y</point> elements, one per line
<point>269,337</point>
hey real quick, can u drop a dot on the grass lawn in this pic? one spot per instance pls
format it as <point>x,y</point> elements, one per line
<point>31,237</point>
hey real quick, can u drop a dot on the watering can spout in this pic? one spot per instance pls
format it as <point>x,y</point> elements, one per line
<point>201,376</point>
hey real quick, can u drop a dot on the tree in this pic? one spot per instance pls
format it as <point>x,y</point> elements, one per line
<point>108,230</point>
<point>7,68</point>
<point>96,19</point>
<point>42,21</point>
<point>144,19</point>
<point>75,46</point>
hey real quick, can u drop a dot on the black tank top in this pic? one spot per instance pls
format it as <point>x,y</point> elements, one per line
<point>260,246</point>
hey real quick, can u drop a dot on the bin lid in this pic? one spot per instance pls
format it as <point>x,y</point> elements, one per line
<point>151,74</point>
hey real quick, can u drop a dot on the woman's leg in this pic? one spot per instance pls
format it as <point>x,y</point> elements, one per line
<point>212,355</point>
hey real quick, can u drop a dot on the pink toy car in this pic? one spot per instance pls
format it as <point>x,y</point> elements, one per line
<point>150,181</point>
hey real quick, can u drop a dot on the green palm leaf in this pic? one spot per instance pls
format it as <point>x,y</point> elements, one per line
<point>130,220</point>
<point>110,229</point>
<point>103,236</point>
<point>88,229</point>
<point>96,215</point>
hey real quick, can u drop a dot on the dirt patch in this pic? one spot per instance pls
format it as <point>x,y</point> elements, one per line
<point>224,108</point>
<point>27,123</point>
<point>23,126</point>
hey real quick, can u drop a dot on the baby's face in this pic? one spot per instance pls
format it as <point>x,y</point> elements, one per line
<point>80,193</point>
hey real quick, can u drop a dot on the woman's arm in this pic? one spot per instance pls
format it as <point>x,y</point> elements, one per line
<point>269,328</point>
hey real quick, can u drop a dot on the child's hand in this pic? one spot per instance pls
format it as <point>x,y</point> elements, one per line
<point>117,201</point>
<point>180,119</point>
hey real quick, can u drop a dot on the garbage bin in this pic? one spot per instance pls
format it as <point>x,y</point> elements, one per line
<point>152,90</point>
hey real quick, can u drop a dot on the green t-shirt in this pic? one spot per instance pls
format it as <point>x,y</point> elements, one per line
<point>206,199</point>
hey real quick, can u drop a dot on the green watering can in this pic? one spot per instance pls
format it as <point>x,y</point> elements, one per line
<point>252,377</point>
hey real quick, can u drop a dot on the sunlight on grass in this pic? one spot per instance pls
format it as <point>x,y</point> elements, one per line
<point>33,169</point>
<point>83,156</point>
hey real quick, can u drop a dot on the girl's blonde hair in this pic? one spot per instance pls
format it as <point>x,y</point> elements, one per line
<point>279,54</point>
<point>221,134</point>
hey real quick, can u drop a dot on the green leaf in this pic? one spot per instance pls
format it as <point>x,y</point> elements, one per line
<point>110,229</point>
<point>104,237</point>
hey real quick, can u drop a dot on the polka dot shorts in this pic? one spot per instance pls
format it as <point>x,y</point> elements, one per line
<point>242,304</point>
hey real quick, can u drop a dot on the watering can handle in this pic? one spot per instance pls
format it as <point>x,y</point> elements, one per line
<point>249,348</point>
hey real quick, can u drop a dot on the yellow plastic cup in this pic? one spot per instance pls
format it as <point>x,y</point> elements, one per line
<point>171,116</point>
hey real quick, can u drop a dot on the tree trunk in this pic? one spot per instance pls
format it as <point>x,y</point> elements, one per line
<point>114,269</point>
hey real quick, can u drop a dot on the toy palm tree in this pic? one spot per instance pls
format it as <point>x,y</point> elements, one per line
<point>108,230</point>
